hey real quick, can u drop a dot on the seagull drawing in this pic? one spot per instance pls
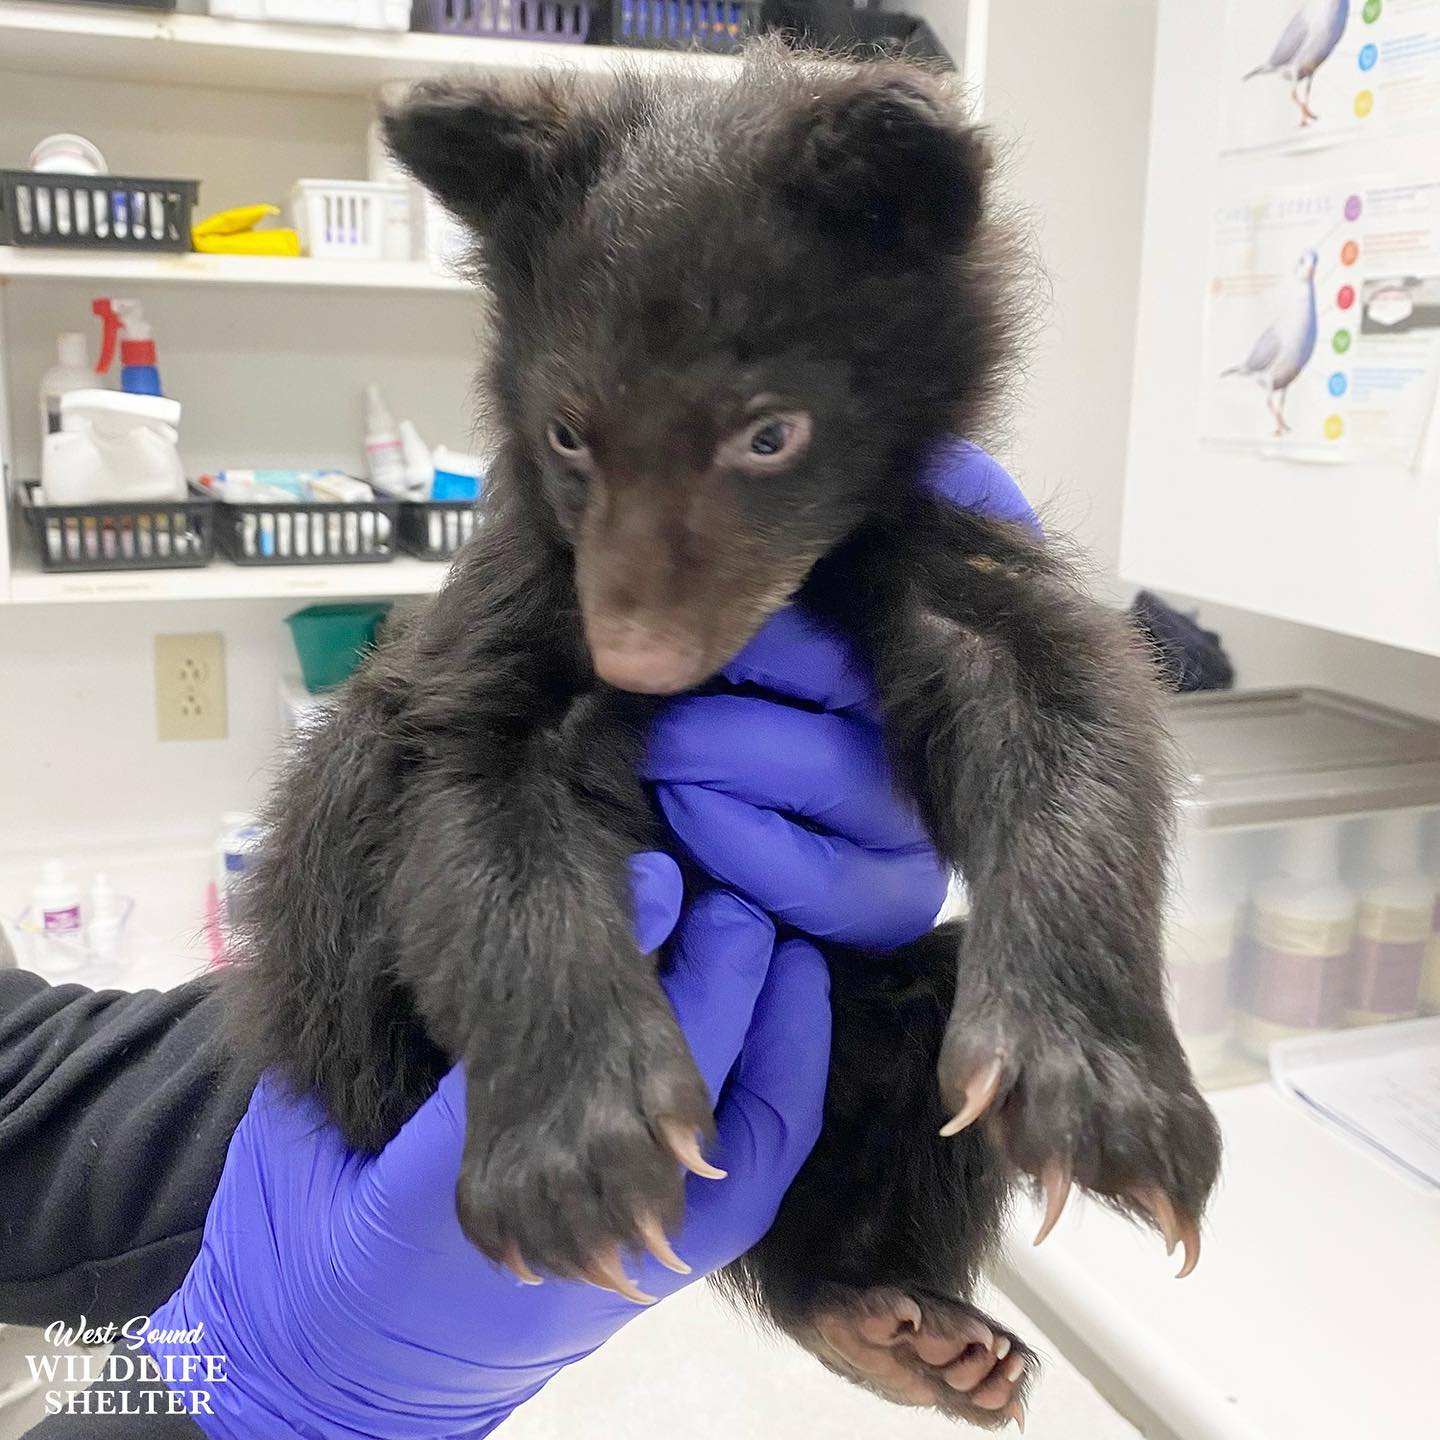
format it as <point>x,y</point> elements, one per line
<point>1305,45</point>
<point>1286,345</point>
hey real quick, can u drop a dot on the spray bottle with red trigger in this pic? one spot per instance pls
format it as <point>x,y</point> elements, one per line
<point>125,321</point>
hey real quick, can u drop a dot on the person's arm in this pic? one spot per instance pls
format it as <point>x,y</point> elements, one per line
<point>116,1110</point>
<point>115,1113</point>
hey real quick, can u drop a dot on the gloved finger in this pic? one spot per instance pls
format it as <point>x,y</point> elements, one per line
<point>718,965</point>
<point>794,654</point>
<point>831,769</point>
<point>969,478</point>
<point>821,884</point>
<point>409,1188</point>
<point>657,890</point>
<point>771,1114</point>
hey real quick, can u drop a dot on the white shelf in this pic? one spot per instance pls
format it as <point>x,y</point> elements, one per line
<point>223,580</point>
<point>199,50</point>
<point>24,264</point>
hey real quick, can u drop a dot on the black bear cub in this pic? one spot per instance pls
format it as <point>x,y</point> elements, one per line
<point>731,320</point>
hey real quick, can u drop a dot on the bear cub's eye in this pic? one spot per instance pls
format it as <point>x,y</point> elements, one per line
<point>774,439</point>
<point>563,438</point>
<point>770,440</point>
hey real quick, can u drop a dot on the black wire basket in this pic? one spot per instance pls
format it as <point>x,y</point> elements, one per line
<point>562,21</point>
<point>720,25</point>
<point>307,532</point>
<point>436,529</point>
<point>120,535</point>
<point>866,33</point>
<point>96,212</point>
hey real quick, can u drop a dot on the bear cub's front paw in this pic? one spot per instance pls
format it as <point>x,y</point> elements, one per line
<point>1067,1100</point>
<point>591,1165</point>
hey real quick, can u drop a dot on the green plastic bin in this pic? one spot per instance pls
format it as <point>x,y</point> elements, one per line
<point>331,641</point>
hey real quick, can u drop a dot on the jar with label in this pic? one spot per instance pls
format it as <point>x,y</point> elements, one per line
<point>56,931</point>
<point>1397,908</point>
<point>235,850</point>
<point>1200,935</point>
<point>1297,979</point>
<point>1430,865</point>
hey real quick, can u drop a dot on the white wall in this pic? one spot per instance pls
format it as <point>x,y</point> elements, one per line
<point>1073,152</point>
<point>77,725</point>
<point>1068,87</point>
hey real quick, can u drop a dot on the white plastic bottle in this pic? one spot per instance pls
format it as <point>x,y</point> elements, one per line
<point>55,910</point>
<point>239,839</point>
<point>104,919</point>
<point>384,455</point>
<point>1302,935</point>
<point>70,372</point>
<point>1397,903</point>
<point>113,446</point>
<point>419,464</point>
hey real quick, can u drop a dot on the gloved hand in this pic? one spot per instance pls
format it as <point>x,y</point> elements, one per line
<point>340,1287</point>
<point>732,773</point>
<point>794,808</point>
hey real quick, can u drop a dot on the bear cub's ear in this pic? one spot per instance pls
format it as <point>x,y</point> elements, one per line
<point>886,155</point>
<point>482,146</point>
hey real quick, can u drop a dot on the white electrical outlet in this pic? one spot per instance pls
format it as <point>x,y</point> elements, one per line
<point>190,686</point>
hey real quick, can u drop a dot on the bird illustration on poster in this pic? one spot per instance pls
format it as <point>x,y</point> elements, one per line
<point>1284,348</point>
<point>1319,300</point>
<point>1305,44</point>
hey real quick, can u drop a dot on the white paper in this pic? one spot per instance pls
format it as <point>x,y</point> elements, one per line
<point>1322,336</point>
<point>1380,1086</point>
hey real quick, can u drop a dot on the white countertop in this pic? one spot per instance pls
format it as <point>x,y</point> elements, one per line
<point>1314,1313</point>
<point>164,943</point>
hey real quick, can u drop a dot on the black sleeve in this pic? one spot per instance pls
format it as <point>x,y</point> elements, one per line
<point>116,1110</point>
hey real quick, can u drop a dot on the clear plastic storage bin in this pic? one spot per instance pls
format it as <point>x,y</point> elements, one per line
<point>1305,894</point>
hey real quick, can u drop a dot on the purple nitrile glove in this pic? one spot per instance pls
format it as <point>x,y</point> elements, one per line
<point>736,775</point>
<point>344,1296</point>
<point>972,480</point>
<point>796,810</point>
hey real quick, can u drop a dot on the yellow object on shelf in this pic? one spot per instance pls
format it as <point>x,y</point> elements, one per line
<point>232,232</point>
<point>250,242</point>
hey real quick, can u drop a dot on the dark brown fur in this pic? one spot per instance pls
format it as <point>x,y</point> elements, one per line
<point>446,873</point>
